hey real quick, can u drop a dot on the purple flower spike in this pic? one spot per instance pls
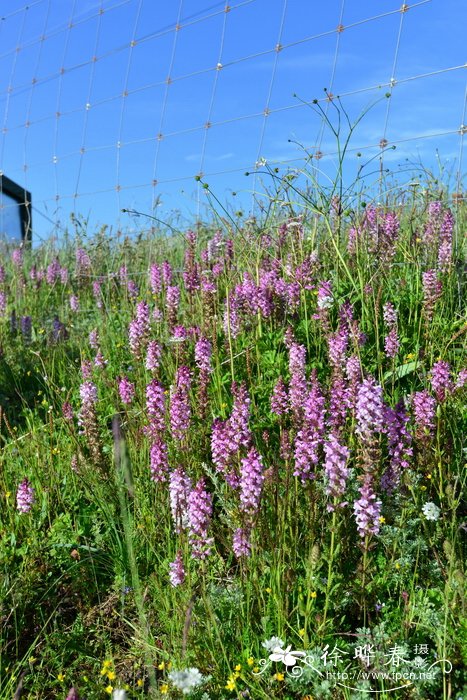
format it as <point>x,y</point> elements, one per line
<point>241,544</point>
<point>251,482</point>
<point>177,570</point>
<point>441,380</point>
<point>399,446</point>
<point>367,511</point>
<point>126,390</point>
<point>179,490</point>
<point>424,406</point>
<point>280,399</point>
<point>335,468</point>
<point>24,496</point>
<point>159,460</point>
<point>199,517</point>
<point>370,408</point>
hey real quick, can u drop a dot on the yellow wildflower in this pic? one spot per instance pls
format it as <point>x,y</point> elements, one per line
<point>161,666</point>
<point>268,590</point>
<point>238,667</point>
<point>313,594</point>
<point>382,519</point>
<point>230,685</point>
<point>279,676</point>
<point>301,632</point>
<point>111,675</point>
<point>139,683</point>
<point>164,689</point>
<point>250,661</point>
<point>61,677</point>
<point>108,689</point>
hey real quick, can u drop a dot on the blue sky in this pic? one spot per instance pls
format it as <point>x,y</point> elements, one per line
<point>84,95</point>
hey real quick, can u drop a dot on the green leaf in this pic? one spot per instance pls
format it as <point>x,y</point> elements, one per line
<point>401,371</point>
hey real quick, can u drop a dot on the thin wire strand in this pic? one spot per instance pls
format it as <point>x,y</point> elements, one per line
<point>82,150</point>
<point>272,80</point>
<point>252,115</point>
<point>123,103</point>
<point>164,103</point>
<point>58,107</point>
<point>210,107</point>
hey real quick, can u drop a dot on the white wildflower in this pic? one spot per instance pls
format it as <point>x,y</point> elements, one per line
<point>186,680</point>
<point>271,644</point>
<point>431,511</point>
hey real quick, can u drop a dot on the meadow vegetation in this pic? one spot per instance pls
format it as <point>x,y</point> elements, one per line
<point>236,442</point>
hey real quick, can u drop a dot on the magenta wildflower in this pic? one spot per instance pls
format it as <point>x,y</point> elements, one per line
<point>74,303</point>
<point>159,460</point>
<point>203,352</point>
<point>424,406</point>
<point>67,411</point>
<point>96,290</point>
<point>88,393</point>
<point>445,248</point>
<point>391,343</point>
<point>441,381</point>
<point>53,272</point>
<point>232,315</point>
<point>389,315</point>
<point>132,289</point>
<point>335,469</point>
<point>155,279</point>
<point>99,360</point>
<point>199,518</point>
<point>94,339</point>
<point>367,510</point>
<point>399,446</point>
<point>177,570</point>
<point>24,496</point>
<point>297,384</point>
<point>220,444</point>
<point>310,436</point>
<point>432,290</point>
<point>251,482</point>
<point>153,356</point>
<point>241,543</point>
<point>180,410</point>
<point>338,343</point>
<point>179,490</point>
<point>126,389</point>
<point>155,406</point>
<point>17,257</point>
<point>166,270</point>
<point>239,431</point>
<point>86,369</point>
<point>83,261</point>
<point>280,399</point>
<point>370,410</point>
<point>340,400</point>
<point>172,304</point>
<point>123,274</point>
<point>433,224</point>
<point>138,330</point>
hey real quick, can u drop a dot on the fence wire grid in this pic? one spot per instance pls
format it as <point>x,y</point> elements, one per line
<point>115,104</point>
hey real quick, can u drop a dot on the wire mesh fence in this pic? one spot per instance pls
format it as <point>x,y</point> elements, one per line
<point>119,104</point>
